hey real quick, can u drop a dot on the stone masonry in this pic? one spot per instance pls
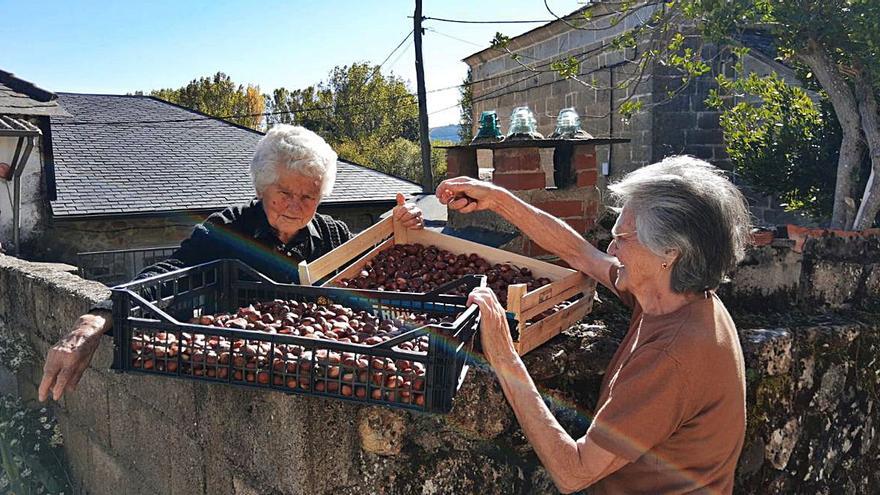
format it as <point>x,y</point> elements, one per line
<point>811,366</point>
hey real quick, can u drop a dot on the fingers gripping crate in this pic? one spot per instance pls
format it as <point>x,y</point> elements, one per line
<point>568,288</point>
<point>162,325</point>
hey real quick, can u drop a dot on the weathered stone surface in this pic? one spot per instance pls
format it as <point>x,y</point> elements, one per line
<point>811,405</point>
<point>381,430</point>
<point>480,409</point>
<point>768,350</point>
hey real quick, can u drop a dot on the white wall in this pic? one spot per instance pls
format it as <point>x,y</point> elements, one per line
<point>31,193</point>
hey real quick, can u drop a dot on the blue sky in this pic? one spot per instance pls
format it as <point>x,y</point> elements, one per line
<point>122,46</point>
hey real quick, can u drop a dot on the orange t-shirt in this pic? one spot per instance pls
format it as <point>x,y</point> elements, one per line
<point>673,401</point>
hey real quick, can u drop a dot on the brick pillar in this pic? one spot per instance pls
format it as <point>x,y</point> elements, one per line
<point>461,161</point>
<point>518,168</point>
<point>584,159</point>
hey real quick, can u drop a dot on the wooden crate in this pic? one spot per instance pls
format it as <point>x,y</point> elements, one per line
<point>525,305</point>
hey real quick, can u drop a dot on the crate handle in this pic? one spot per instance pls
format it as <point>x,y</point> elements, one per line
<point>469,281</point>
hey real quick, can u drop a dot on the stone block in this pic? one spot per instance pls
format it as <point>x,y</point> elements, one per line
<point>88,405</point>
<point>262,433</point>
<point>708,120</point>
<point>833,283</point>
<point>703,136</point>
<point>520,180</point>
<point>509,160</point>
<point>480,409</point>
<point>381,430</point>
<point>767,350</point>
<point>147,440</point>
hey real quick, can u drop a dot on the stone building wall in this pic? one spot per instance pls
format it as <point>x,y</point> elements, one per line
<point>812,412</point>
<point>63,239</point>
<point>681,124</point>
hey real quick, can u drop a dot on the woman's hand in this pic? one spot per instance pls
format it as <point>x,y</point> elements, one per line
<point>69,358</point>
<point>409,215</point>
<point>494,331</point>
<point>468,195</point>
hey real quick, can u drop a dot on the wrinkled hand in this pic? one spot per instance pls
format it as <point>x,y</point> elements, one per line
<point>467,194</point>
<point>69,358</point>
<point>494,331</point>
<point>409,215</point>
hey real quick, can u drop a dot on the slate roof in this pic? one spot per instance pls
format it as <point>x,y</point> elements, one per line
<point>142,164</point>
<point>20,97</point>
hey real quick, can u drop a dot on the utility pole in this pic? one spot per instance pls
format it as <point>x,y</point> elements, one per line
<point>424,140</point>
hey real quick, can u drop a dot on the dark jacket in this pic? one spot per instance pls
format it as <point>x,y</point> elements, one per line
<point>244,233</point>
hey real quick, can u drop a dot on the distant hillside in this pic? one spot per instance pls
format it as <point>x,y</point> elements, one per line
<point>445,133</point>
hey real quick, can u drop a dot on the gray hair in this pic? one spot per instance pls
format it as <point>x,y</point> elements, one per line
<point>297,149</point>
<point>685,204</point>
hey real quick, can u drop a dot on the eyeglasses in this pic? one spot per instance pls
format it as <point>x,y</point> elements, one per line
<point>618,237</point>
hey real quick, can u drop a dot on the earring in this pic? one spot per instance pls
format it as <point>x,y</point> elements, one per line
<point>664,265</point>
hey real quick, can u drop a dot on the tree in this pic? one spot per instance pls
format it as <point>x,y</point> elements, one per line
<point>838,41</point>
<point>466,103</point>
<point>369,118</point>
<point>399,157</point>
<point>220,97</point>
<point>356,102</point>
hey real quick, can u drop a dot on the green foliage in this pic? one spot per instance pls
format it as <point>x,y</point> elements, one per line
<point>466,105</point>
<point>779,140</point>
<point>30,450</point>
<point>355,103</point>
<point>369,118</point>
<point>400,157</point>
<point>219,96</point>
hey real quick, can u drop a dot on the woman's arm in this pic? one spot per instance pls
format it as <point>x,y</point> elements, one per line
<point>468,195</point>
<point>573,465</point>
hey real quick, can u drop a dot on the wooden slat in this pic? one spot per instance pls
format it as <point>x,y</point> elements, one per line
<point>544,298</point>
<point>493,255</point>
<point>401,233</point>
<point>331,261</point>
<point>515,293</point>
<point>536,335</point>
<point>528,314</point>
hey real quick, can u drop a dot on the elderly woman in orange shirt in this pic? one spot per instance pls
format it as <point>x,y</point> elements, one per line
<point>671,412</point>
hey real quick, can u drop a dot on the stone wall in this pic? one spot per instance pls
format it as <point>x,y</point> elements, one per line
<point>681,124</point>
<point>812,404</point>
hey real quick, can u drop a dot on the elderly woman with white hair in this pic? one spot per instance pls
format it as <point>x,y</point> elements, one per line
<point>292,169</point>
<point>671,411</point>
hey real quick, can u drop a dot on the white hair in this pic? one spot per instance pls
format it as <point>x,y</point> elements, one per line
<point>686,204</point>
<point>297,149</point>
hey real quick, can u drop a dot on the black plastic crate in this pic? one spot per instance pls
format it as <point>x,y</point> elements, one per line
<point>154,315</point>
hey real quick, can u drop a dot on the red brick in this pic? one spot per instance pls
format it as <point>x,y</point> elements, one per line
<point>587,178</point>
<point>584,158</point>
<point>562,209</point>
<point>520,180</point>
<point>581,225</point>
<point>461,162</point>
<point>514,159</point>
<point>591,210</point>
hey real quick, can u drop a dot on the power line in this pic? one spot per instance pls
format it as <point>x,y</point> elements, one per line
<point>496,21</point>
<point>395,49</point>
